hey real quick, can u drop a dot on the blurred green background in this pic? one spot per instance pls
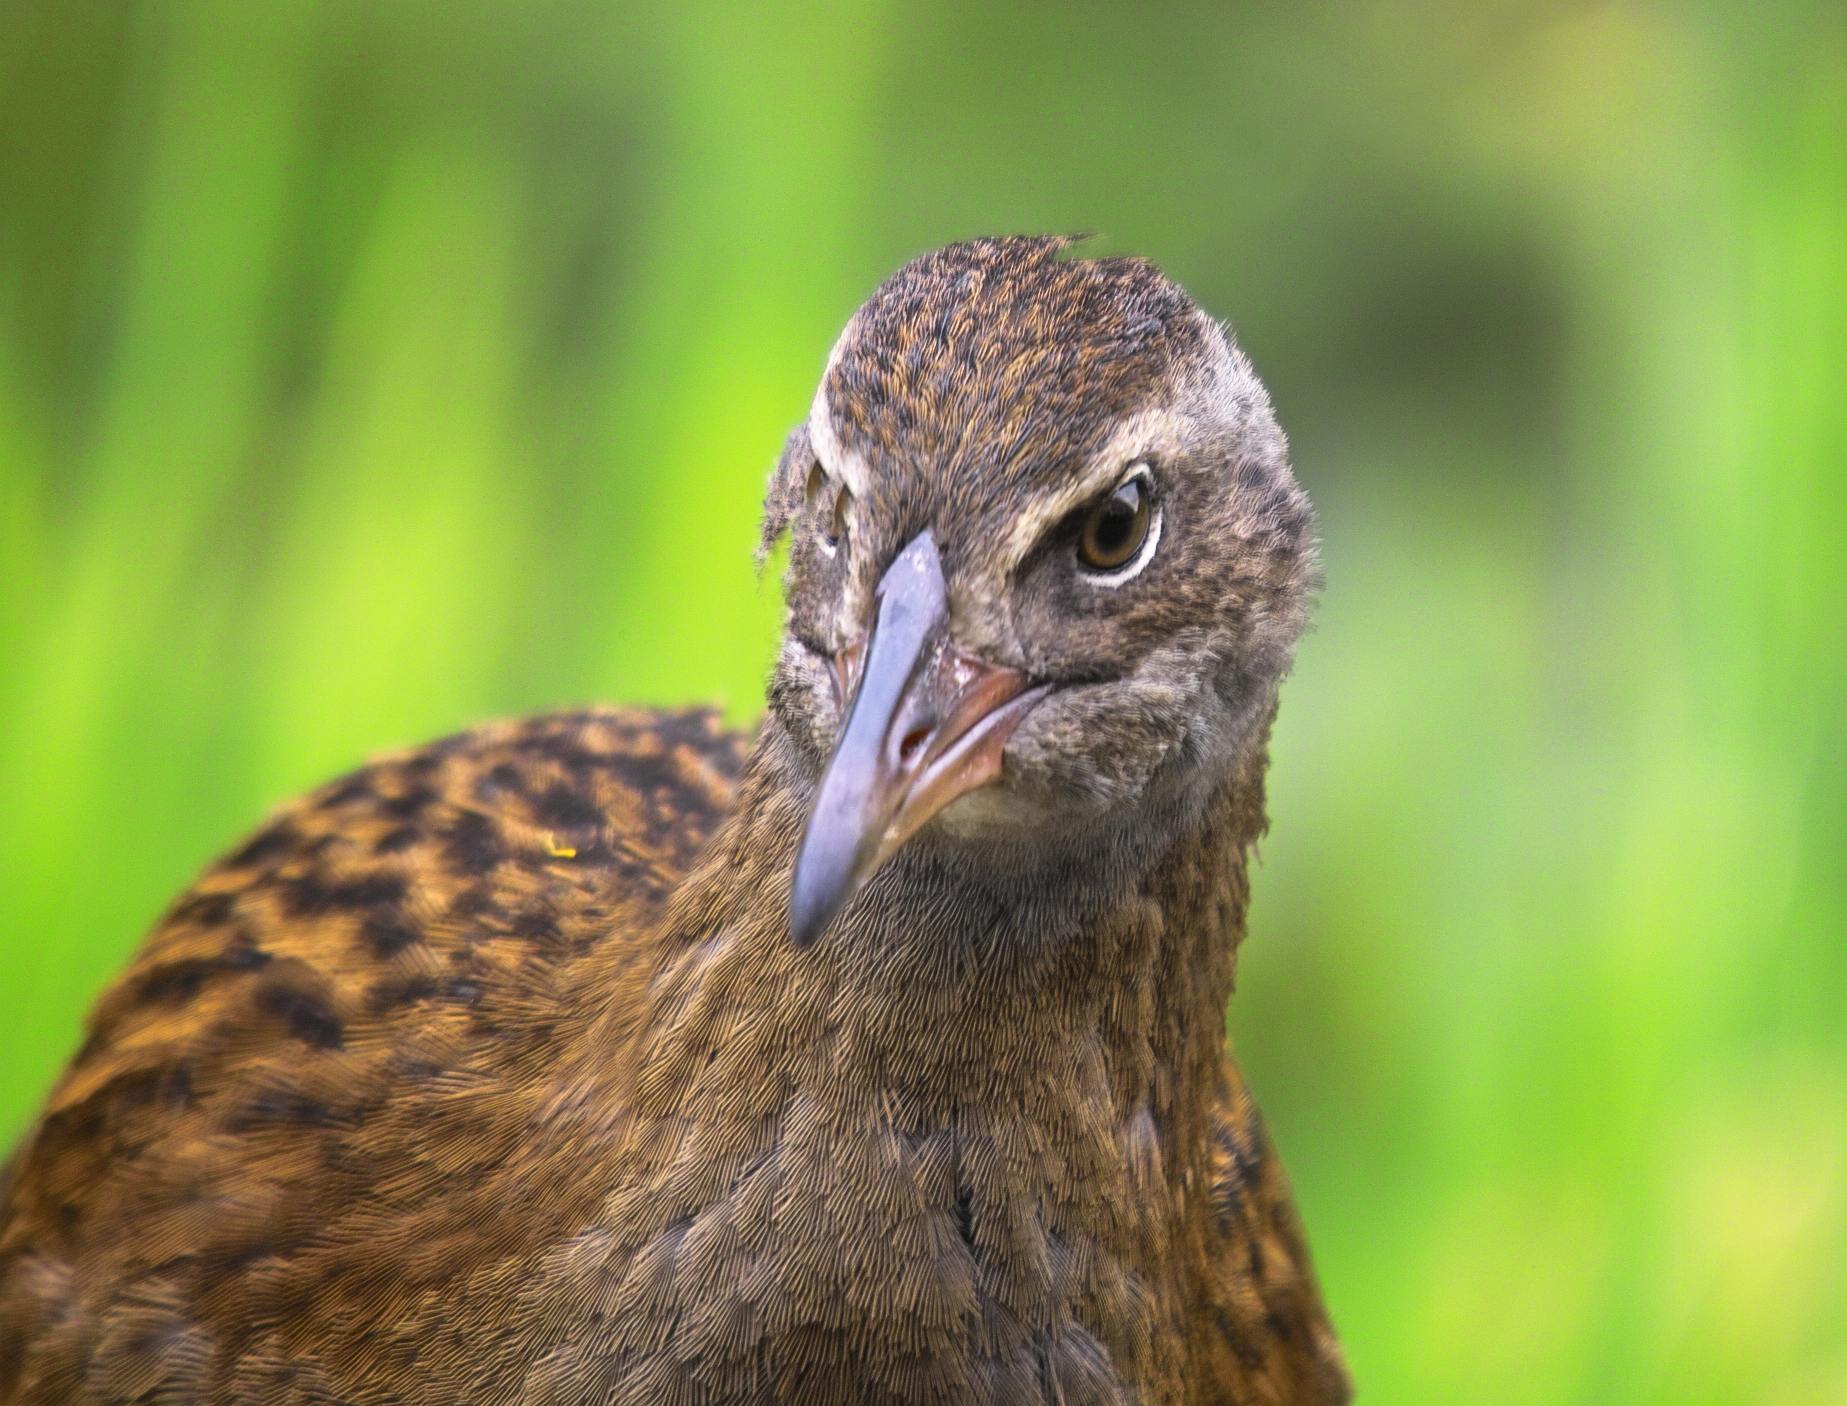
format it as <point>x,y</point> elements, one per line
<point>367,369</point>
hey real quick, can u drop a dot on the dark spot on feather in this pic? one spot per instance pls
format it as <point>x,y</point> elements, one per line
<point>176,1087</point>
<point>473,902</point>
<point>499,780</point>
<point>357,787</point>
<point>653,773</point>
<point>243,955</point>
<point>387,934</point>
<point>311,894</point>
<point>137,1088</point>
<point>205,909</point>
<point>220,1265</point>
<point>1249,1355</point>
<point>176,982</point>
<point>70,1129</point>
<point>697,728</point>
<point>400,991</point>
<point>280,1108</point>
<point>534,922</point>
<point>472,844</point>
<point>307,1016</point>
<point>397,840</point>
<point>276,840</point>
<point>410,804</point>
<point>563,808</point>
<point>306,895</point>
<point>567,754</point>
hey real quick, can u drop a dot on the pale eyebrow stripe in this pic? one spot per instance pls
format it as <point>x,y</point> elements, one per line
<point>1141,436</point>
<point>849,468</point>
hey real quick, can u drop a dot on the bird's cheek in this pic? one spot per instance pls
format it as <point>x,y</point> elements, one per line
<point>1046,764</point>
<point>801,694</point>
<point>1087,751</point>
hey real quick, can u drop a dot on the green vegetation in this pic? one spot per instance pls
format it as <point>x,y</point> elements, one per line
<point>366,370</point>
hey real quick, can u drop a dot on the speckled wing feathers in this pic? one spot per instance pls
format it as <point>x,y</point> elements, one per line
<point>1263,1336</point>
<point>321,1050</point>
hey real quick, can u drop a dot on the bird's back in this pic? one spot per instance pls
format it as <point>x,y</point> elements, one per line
<point>337,1019</point>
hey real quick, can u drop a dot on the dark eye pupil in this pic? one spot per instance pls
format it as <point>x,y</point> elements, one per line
<point>1113,524</point>
<point>1114,529</point>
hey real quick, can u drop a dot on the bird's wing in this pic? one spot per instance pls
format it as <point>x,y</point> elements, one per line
<point>1264,1338</point>
<point>338,1016</point>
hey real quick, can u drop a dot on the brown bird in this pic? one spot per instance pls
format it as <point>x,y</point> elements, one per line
<point>612,1057</point>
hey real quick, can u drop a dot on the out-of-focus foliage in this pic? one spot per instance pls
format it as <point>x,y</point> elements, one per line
<point>368,369</point>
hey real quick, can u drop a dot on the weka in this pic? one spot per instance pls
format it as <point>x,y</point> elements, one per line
<point>612,1057</point>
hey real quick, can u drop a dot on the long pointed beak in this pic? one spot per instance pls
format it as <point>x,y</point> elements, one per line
<point>926,725</point>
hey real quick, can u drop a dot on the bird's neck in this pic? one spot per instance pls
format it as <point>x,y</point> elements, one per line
<point>951,978</point>
<point>1002,1101</point>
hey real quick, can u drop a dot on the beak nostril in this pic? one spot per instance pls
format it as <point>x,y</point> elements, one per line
<point>915,738</point>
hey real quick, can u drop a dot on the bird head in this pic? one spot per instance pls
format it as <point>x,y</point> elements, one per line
<point>1047,563</point>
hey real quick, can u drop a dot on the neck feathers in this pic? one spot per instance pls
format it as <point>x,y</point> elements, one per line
<point>957,1128</point>
<point>947,963</point>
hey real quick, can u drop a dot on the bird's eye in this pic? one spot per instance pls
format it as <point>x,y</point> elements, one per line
<point>1115,528</point>
<point>828,502</point>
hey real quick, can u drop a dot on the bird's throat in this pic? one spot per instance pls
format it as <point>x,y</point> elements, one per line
<point>1003,1107</point>
<point>952,958</point>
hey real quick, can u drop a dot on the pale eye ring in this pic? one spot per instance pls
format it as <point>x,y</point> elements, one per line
<point>1117,534</point>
